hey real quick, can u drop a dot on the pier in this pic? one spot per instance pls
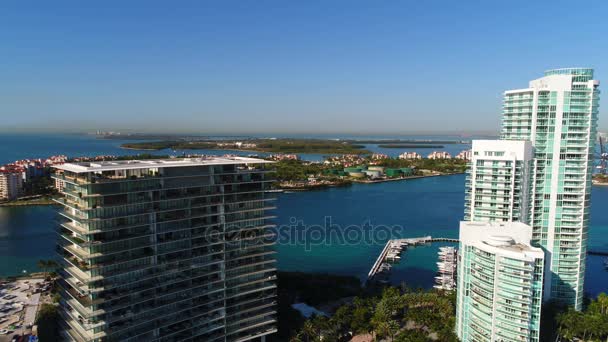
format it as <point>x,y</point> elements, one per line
<point>392,253</point>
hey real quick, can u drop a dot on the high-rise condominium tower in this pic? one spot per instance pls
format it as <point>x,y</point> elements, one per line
<point>557,114</point>
<point>499,283</point>
<point>166,250</point>
<point>498,181</point>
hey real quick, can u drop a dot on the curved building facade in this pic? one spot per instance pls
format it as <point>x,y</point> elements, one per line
<point>499,283</point>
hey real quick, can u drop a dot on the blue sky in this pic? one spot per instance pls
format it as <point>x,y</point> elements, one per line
<point>284,66</point>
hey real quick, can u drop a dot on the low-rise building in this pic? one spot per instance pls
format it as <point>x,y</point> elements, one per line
<point>379,156</point>
<point>439,155</point>
<point>410,155</point>
<point>281,156</point>
<point>464,155</point>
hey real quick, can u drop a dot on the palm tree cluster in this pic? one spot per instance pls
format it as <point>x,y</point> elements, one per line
<point>46,266</point>
<point>590,325</point>
<point>400,316</point>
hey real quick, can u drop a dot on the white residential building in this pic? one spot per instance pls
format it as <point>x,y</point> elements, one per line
<point>11,185</point>
<point>439,155</point>
<point>498,180</point>
<point>410,155</point>
<point>464,155</point>
<point>499,283</point>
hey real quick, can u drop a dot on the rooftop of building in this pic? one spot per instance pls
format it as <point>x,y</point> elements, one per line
<point>112,165</point>
<point>507,243</point>
<point>570,71</point>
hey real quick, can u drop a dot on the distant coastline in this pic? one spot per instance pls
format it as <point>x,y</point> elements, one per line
<point>410,146</point>
<point>28,202</point>
<point>255,145</point>
<point>360,181</point>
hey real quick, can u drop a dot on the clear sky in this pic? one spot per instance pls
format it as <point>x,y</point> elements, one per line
<point>284,66</point>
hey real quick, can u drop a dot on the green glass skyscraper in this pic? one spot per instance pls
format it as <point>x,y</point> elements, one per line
<point>524,237</point>
<point>558,114</point>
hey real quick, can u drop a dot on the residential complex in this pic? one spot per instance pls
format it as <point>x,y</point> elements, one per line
<point>11,185</point>
<point>539,174</point>
<point>464,155</point>
<point>167,250</point>
<point>410,155</point>
<point>16,178</point>
<point>498,180</point>
<point>558,114</point>
<point>439,155</point>
<point>500,277</point>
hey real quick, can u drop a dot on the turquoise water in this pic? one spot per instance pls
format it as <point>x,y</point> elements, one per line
<point>27,234</point>
<point>430,206</point>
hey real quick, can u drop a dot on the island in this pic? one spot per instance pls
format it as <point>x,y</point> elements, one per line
<point>255,145</point>
<point>297,175</point>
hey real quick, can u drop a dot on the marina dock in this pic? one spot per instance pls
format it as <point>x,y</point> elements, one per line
<point>392,253</point>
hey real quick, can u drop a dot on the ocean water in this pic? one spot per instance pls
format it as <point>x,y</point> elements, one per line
<point>411,208</point>
<point>27,234</point>
<point>20,146</point>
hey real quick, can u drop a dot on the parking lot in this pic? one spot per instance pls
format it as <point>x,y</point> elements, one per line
<point>19,301</point>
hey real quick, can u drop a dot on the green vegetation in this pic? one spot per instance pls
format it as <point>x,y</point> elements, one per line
<point>311,288</point>
<point>42,185</point>
<point>294,170</point>
<point>48,323</point>
<point>167,144</point>
<point>309,146</point>
<point>38,200</point>
<point>395,315</point>
<point>142,156</point>
<point>599,178</point>
<point>262,145</point>
<point>438,165</point>
<point>416,143</point>
<point>588,325</point>
<point>46,266</point>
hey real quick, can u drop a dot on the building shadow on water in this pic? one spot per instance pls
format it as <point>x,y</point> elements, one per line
<point>412,277</point>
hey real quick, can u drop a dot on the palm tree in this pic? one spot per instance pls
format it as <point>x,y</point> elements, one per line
<point>46,265</point>
<point>308,330</point>
<point>320,324</point>
<point>392,328</point>
<point>43,265</point>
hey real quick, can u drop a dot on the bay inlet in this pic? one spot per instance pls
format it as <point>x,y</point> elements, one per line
<point>428,206</point>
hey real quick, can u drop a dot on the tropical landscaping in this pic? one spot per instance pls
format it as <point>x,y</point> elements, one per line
<point>396,315</point>
<point>589,325</point>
